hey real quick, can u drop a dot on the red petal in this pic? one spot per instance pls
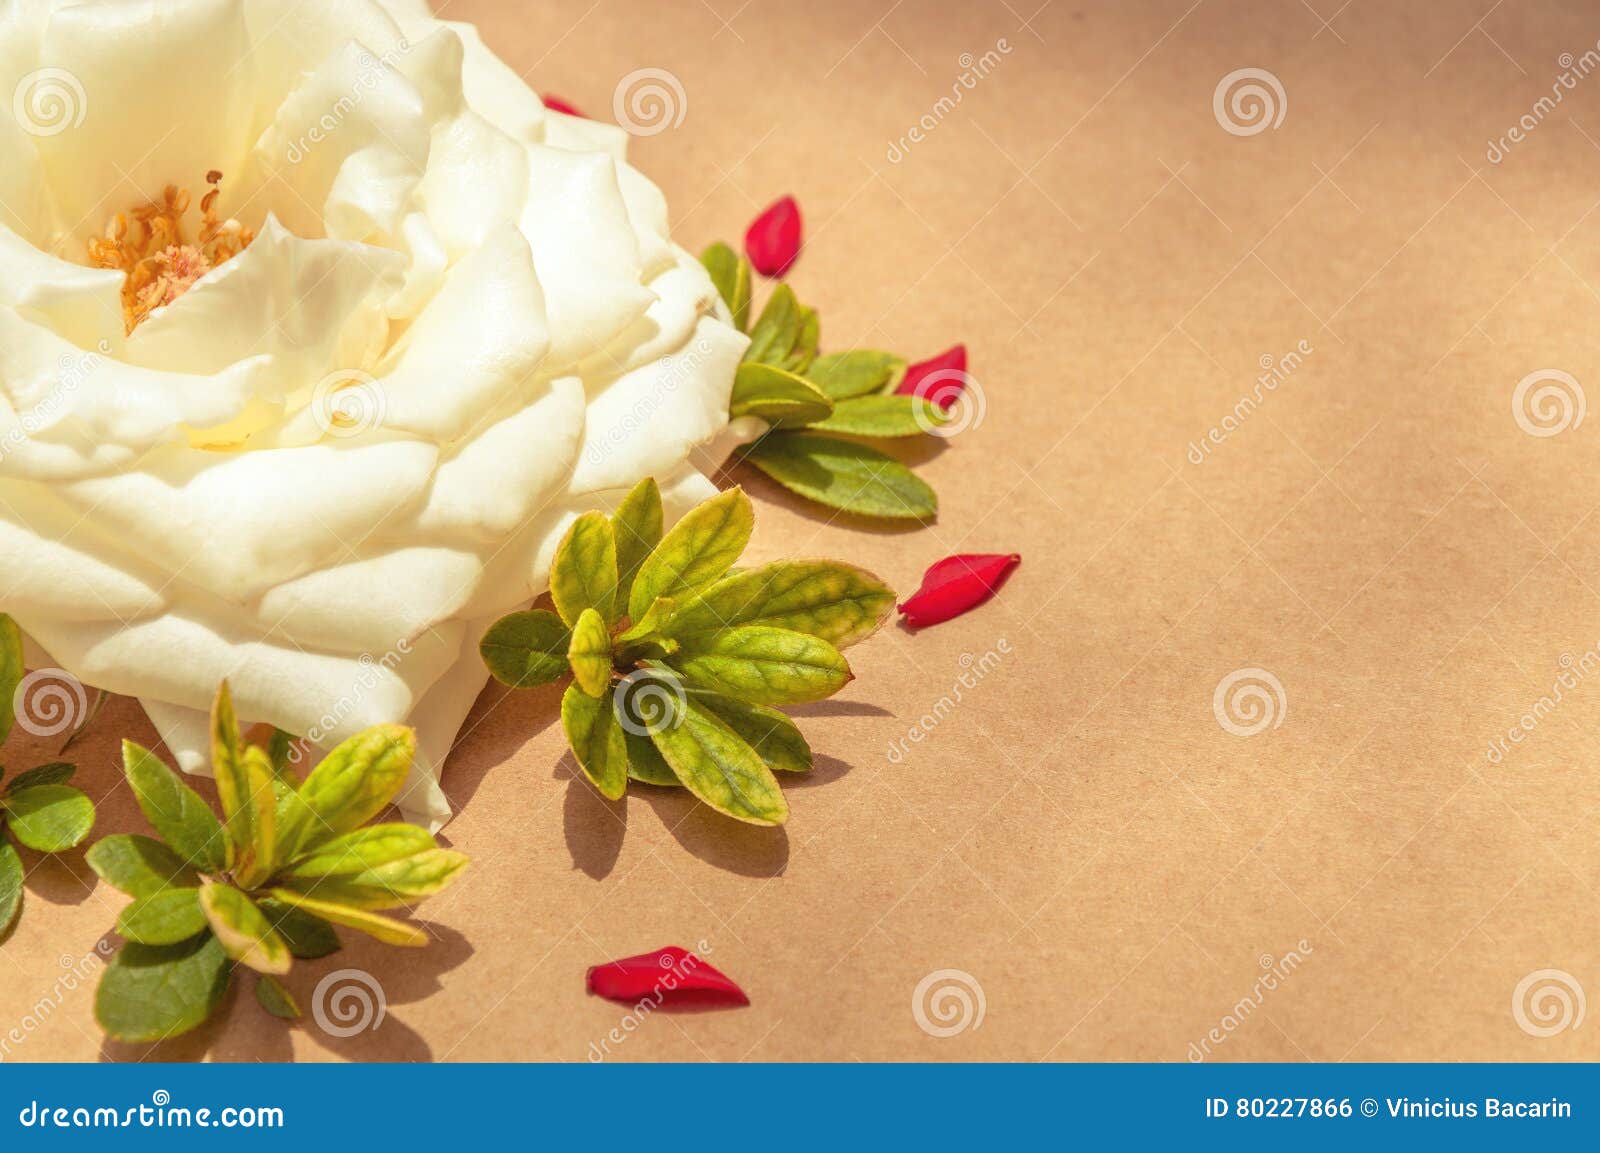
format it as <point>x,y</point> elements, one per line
<point>956,585</point>
<point>773,241</point>
<point>556,104</point>
<point>669,975</point>
<point>939,379</point>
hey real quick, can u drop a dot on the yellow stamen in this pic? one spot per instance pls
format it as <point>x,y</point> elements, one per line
<point>158,263</point>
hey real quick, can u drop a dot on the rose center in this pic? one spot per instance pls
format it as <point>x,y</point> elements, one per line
<point>158,260</point>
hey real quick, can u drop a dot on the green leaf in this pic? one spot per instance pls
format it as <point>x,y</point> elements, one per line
<point>646,764</point>
<point>584,575</point>
<point>526,649</point>
<point>777,329</point>
<point>11,878</point>
<point>309,937</point>
<point>244,930</point>
<point>777,396</point>
<point>804,350</point>
<point>389,885</point>
<point>762,665</point>
<point>844,475</point>
<point>278,750</point>
<point>842,375</point>
<point>10,672</point>
<point>649,630</point>
<point>55,773</point>
<point>385,929</point>
<point>163,918</point>
<point>275,999</point>
<point>254,861</point>
<point>596,739</point>
<point>234,791</point>
<point>175,810</point>
<point>364,849</point>
<point>152,992</point>
<point>353,784</point>
<point>139,866</point>
<point>49,818</point>
<point>589,654</point>
<point>730,272</point>
<point>837,602</point>
<point>883,416</point>
<point>716,765</point>
<point>775,738</point>
<point>636,525</point>
<point>699,549</point>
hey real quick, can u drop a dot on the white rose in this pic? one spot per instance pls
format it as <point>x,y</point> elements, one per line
<point>319,440</point>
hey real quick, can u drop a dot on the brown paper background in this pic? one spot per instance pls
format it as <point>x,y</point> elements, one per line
<point>1081,835</point>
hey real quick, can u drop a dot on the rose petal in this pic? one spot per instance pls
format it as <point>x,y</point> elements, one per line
<point>956,585</point>
<point>556,104</point>
<point>938,379</point>
<point>668,975</point>
<point>773,240</point>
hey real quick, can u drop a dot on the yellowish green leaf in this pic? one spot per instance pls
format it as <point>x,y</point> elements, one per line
<point>275,999</point>
<point>596,739</point>
<point>774,737</point>
<point>777,396</point>
<point>589,654</point>
<point>386,886</point>
<point>636,525</point>
<point>526,649</point>
<point>762,665</point>
<point>353,784</point>
<point>699,549</point>
<point>883,417</point>
<point>385,929</point>
<point>777,329</point>
<point>139,865</point>
<point>10,672</point>
<point>840,603</point>
<point>718,766</point>
<point>11,878</point>
<point>843,474</point>
<point>730,272</point>
<point>584,574</point>
<point>842,375</point>
<point>245,933</point>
